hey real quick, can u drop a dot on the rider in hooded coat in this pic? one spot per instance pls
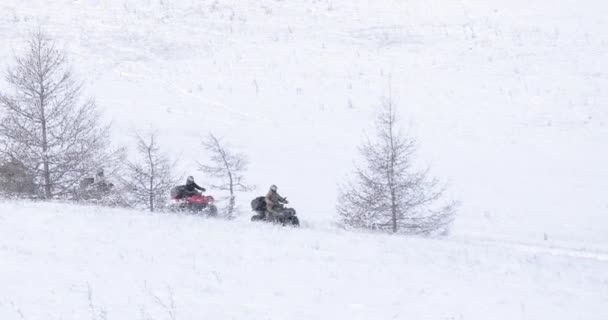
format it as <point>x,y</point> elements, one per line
<point>191,187</point>
<point>274,202</point>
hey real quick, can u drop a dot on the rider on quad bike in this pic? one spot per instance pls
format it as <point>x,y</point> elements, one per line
<point>274,202</point>
<point>188,198</point>
<point>187,190</point>
<point>191,187</point>
<point>95,188</point>
<point>270,208</point>
<point>99,190</point>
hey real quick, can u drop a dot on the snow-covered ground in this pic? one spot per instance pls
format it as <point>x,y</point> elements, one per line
<point>507,101</point>
<point>72,262</point>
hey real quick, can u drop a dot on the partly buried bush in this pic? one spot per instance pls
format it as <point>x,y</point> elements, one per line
<point>15,179</point>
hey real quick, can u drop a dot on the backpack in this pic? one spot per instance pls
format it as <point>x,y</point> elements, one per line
<point>258,204</point>
<point>178,192</point>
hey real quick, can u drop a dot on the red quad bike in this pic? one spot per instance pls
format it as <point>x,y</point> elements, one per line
<point>197,204</point>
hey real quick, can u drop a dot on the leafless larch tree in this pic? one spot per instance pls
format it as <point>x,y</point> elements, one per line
<point>388,193</point>
<point>149,179</point>
<point>46,125</point>
<point>226,166</point>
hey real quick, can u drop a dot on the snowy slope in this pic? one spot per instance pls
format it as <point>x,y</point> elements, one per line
<point>72,262</point>
<point>506,100</point>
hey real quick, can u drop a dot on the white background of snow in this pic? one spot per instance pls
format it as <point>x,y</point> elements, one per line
<point>218,269</point>
<point>508,102</point>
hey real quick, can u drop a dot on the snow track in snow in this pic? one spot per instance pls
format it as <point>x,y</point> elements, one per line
<point>551,249</point>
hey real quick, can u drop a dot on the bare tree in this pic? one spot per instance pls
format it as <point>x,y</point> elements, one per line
<point>388,193</point>
<point>55,133</point>
<point>228,167</point>
<point>149,179</point>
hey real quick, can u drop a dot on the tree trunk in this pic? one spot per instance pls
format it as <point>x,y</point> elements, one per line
<point>151,195</point>
<point>152,173</point>
<point>391,169</point>
<point>45,146</point>
<point>45,161</point>
<point>231,204</point>
<point>394,211</point>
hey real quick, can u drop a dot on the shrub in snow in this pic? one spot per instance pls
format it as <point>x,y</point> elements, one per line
<point>228,167</point>
<point>15,178</point>
<point>149,179</point>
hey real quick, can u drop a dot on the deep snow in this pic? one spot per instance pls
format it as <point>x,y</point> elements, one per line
<point>507,101</point>
<point>134,265</point>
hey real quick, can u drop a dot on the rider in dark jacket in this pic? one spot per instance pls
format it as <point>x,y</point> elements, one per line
<point>191,187</point>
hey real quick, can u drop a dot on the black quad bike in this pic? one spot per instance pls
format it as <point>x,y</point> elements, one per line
<point>287,216</point>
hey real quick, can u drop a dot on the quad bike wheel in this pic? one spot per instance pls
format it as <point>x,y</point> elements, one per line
<point>289,221</point>
<point>212,210</point>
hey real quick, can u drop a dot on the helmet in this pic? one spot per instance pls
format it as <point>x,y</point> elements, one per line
<point>190,179</point>
<point>273,188</point>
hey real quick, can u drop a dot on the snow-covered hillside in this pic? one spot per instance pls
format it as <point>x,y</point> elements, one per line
<point>71,262</point>
<point>507,101</point>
